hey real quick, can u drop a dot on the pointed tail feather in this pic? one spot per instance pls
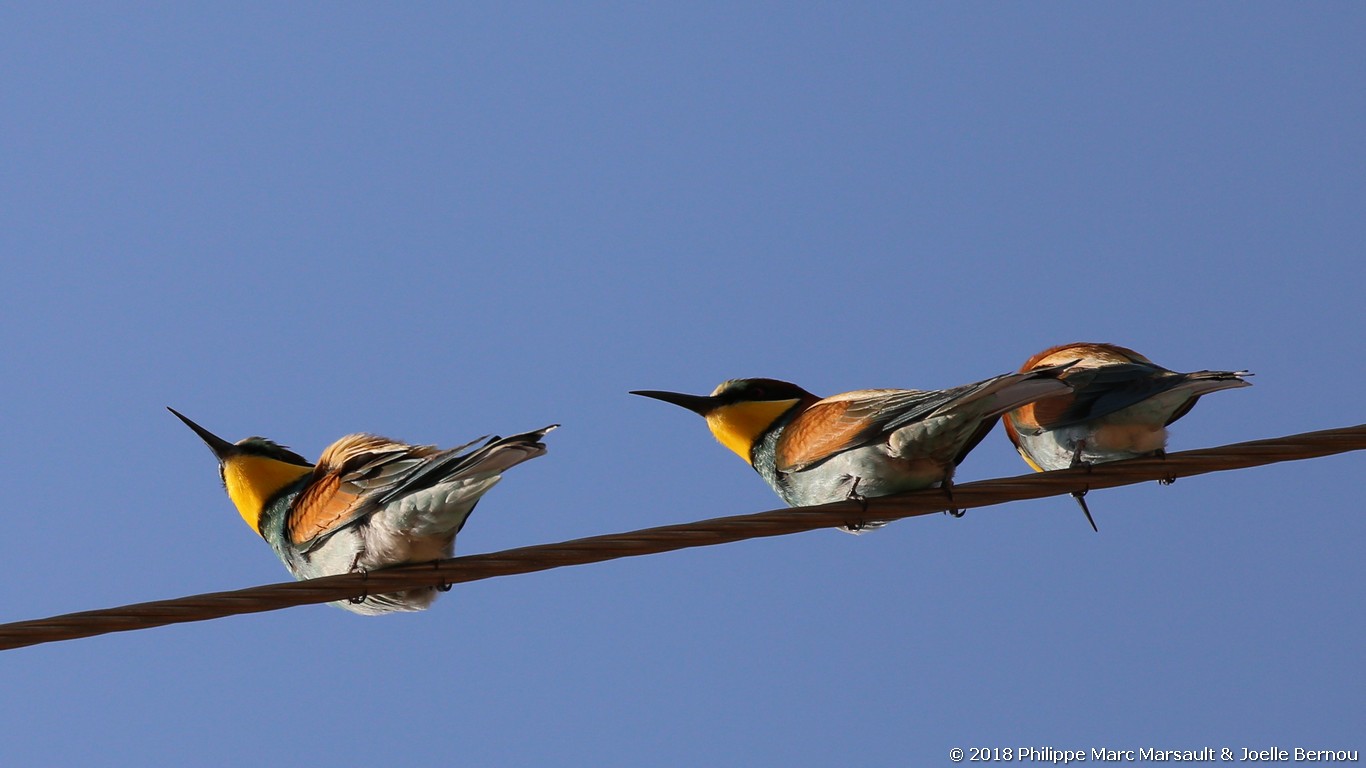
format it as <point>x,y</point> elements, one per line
<point>492,459</point>
<point>1204,382</point>
<point>1013,390</point>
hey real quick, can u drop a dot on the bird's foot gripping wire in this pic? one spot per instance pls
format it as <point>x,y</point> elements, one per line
<point>444,586</point>
<point>364,574</point>
<point>358,599</point>
<point>862,524</point>
<point>854,495</point>
<point>1170,478</point>
<point>1077,460</point>
<point>953,510</point>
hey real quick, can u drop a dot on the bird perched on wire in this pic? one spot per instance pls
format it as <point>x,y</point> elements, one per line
<point>370,502</point>
<point>1119,408</point>
<point>862,444</point>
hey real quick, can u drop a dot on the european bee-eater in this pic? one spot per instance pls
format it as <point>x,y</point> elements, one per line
<point>862,444</point>
<point>370,502</point>
<point>1119,408</point>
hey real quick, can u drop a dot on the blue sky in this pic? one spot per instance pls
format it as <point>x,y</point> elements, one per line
<point>435,221</point>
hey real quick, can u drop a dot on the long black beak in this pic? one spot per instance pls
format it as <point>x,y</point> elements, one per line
<point>1081,499</point>
<point>221,448</point>
<point>699,404</point>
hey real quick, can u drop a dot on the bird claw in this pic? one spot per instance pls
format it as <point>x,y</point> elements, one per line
<point>444,586</point>
<point>364,574</point>
<point>1077,460</point>
<point>1170,478</point>
<point>854,495</point>
<point>953,510</point>
<point>862,500</point>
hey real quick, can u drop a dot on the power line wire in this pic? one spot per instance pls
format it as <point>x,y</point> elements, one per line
<point>667,538</point>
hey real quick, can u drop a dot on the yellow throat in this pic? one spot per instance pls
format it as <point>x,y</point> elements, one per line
<point>252,481</point>
<point>738,425</point>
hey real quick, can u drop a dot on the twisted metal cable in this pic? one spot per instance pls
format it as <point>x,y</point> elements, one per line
<point>667,538</point>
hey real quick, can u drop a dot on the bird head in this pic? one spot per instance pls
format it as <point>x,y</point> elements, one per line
<point>740,411</point>
<point>253,470</point>
<point>1084,354</point>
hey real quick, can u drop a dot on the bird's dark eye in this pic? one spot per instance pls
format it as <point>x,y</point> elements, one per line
<point>758,391</point>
